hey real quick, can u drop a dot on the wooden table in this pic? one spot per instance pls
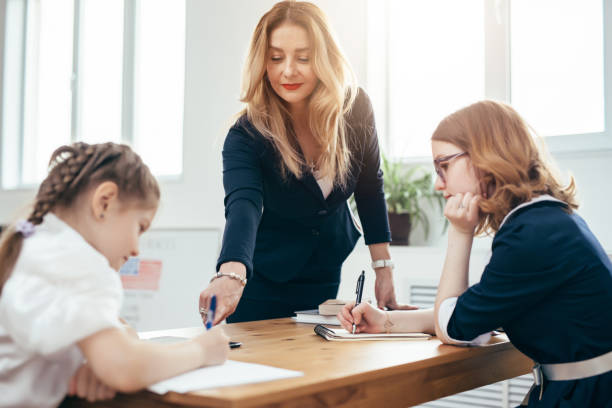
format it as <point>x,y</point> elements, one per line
<point>340,374</point>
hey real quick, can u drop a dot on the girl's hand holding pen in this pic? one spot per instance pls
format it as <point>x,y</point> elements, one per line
<point>214,343</point>
<point>214,346</point>
<point>366,317</point>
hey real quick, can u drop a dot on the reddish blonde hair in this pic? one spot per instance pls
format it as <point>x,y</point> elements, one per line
<point>72,170</point>
<point>511,167</point>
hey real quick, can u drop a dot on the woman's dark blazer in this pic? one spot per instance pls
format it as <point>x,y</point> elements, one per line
<point>282,228</point>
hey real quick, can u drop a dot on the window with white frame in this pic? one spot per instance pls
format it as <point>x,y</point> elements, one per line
<point>93,71</point>
<point>428,58</point>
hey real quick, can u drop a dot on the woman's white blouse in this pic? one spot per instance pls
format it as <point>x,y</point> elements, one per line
<point>61,291</point>
<point>326,183</point>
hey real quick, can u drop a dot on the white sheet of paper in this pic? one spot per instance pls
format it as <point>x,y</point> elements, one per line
<point>230,373</point>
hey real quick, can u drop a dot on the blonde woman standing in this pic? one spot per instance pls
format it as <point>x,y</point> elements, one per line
<point>305,142</point>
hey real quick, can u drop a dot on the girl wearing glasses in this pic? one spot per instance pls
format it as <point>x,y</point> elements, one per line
<point>548,283</point>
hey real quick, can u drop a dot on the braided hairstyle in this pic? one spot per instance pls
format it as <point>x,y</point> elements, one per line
<point>73,169</point>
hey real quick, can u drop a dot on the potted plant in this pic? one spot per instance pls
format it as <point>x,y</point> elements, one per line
<point>407,188</point>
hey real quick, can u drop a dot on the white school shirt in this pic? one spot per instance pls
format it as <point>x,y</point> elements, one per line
<point>447,307</point>
<point>61,291</point>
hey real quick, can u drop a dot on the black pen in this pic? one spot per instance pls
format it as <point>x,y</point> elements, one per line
<point>359,292</point>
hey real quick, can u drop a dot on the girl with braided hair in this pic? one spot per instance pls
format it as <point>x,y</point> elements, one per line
<point>60,292</point>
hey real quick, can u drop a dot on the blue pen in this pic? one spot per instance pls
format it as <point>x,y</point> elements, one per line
<point>210,318</point>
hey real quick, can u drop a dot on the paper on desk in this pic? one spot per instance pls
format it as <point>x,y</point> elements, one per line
<point>230,373</point>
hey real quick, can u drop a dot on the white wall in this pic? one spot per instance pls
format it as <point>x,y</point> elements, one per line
<point>593,174</point>
<point>218,33</point>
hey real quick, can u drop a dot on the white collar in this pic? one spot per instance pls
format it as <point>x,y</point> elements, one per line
<point>53,223</point>
<point>534,200</point>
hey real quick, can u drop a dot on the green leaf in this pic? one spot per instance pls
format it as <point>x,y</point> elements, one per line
<point>407,188</point>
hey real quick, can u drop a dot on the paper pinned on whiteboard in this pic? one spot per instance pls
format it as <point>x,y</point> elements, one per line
<point>141,274</point>
<point>230,373</point>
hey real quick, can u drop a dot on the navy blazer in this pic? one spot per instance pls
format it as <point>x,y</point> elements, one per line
<point>282,228</point>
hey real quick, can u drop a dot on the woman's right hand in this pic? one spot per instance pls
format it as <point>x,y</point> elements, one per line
<point>228,292</point>
<point>366,317</point>
<point>214,345</point>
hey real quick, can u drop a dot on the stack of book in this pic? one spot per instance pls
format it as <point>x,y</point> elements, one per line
<point>331,307</point>
<point>313,317</point>
<point>325,314</point>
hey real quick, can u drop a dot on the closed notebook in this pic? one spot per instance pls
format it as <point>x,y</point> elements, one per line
<point>329,333</point>
<point>313,316</point>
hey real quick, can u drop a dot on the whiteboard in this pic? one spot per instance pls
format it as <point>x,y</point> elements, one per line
<point>181,262</point>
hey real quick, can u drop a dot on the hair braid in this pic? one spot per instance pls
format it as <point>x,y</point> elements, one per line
<point>65,167</point>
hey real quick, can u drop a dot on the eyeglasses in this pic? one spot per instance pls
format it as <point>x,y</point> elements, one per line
<point>443,160</point>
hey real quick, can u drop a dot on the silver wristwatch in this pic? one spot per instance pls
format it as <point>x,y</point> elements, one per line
<point>382,263</point>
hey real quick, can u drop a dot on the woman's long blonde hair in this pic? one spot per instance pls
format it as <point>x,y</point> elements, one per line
<point>512,168</point>
<point>331,99</point>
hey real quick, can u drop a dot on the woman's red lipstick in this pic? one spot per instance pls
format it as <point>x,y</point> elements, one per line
<point>291,87</point>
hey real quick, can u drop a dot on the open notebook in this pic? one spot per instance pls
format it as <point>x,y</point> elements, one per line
<point>329,333</point>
